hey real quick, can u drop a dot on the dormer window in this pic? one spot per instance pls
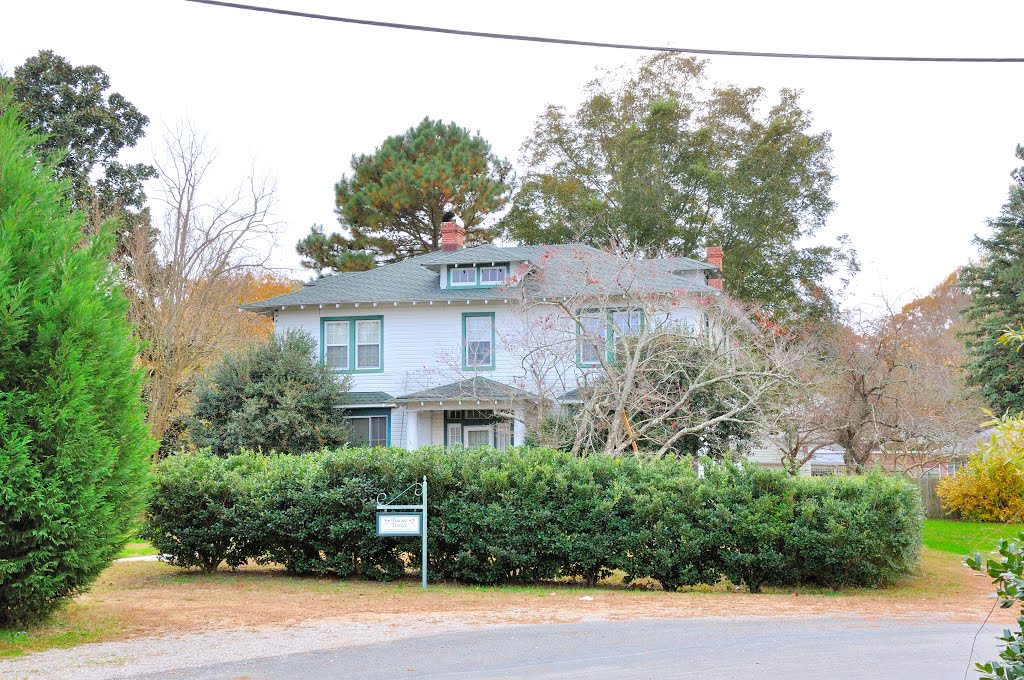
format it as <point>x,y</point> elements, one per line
<point>462,276</point>
<point>492,276</point>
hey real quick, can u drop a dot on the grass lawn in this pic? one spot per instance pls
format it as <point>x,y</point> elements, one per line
<point>136,549</point>
<point>134,599</point>
<point>966,538</point>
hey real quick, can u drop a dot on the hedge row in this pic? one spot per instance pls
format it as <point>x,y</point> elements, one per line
<point>533,514</point>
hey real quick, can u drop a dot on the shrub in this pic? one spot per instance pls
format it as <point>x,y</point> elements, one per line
<point>752,510</point>
<point>525,515</point>
<point>855,531</point>
<point>193,515</point>
<point>667,511</point>
<point>73,443</point>
<point>1007,573</point>
<point>272,397</point>
<point>991,487</point>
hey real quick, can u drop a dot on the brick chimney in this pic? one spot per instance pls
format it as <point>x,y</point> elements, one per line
<point>714,257</point>
<point>453,237</point>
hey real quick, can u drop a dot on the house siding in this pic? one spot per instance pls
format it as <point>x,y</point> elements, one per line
<point>422,345</point>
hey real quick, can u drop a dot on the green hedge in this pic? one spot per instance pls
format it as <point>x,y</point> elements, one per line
<point>532,514</point>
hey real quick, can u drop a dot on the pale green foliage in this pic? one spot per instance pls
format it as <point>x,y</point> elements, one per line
<point>1014,338</point>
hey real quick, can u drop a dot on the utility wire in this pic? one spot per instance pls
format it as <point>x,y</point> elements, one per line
<point>592,43</point>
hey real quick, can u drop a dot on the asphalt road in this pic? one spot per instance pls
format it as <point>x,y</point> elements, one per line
<point>794,649</point>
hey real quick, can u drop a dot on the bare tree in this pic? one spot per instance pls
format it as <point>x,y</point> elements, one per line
<point>186,286</point>
<point>653,364</point>
<point>897,397</point>
<point>804,425</point>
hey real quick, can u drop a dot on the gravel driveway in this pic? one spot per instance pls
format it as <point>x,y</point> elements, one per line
<point>454,647</point>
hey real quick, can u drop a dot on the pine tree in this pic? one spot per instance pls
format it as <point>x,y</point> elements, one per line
<point>996,285</point>
<point>392,205</point>
<point>73,442</point>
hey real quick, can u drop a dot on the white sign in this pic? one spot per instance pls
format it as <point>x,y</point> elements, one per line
<point>398,524</point>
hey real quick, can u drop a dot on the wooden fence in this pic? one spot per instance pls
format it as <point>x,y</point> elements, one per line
<point>932,506</point>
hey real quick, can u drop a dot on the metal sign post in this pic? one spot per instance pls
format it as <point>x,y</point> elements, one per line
<point>392,521</point>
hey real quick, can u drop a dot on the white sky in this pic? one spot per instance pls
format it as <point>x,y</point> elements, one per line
<point>922,151</point>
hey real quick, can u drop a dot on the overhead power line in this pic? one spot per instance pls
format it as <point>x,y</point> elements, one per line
<point>593,43</point>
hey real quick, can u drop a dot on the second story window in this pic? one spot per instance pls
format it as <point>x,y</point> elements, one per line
<point>602,331</point>
<point>592,339</point>
<point>462,276</point>
<point>478,340</point>
<point>492,276</point>
<point>368,339</point>
<point>336,345</point>
<point>352,344</point>
<point>626,323</point>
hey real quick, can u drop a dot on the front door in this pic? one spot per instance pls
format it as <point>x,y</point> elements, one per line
<point>478,435</point>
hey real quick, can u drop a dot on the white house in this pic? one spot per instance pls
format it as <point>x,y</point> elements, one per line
<point>438,346</point>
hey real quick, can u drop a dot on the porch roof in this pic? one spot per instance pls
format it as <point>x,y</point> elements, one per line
<point>364,399</point>
<point>472,389</point>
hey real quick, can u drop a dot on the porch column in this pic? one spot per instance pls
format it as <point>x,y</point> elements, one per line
<point>412,429</point>
<point>518,427</point>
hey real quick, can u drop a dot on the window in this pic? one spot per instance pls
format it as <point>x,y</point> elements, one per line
<point>336,345</point>
<point>626,322</point>
<point>471,414</point>
<point>368,343</point>
<point>477,435</point>
<point>369,430</point>
<point>454,434</point>
<point>594,328</point>
<point>462,276</point>
<point>492,276</point>
<point>591,338</point>
<point>502,436</point>
<point>352,344</point>
<point>478,340</point>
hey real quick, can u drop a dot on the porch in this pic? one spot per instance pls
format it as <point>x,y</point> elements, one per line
<point>472,412</point>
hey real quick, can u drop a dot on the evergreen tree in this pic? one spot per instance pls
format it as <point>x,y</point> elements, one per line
<point>273,397</point>
<point>996,286</point>
<point>73,442</point>
<point>393,203</point>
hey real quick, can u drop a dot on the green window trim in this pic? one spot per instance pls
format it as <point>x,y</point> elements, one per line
<point>352,350</point>
<point>477,268</point>
<point>465,346</point>
<point>609,329</point>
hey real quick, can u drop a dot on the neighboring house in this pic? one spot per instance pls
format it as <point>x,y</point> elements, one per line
<point>459,346</point>
<point>831,460</point>
<point>825,461</point>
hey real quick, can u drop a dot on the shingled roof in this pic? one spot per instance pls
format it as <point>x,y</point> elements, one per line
<point>558,271</point>
<point>358,399</point>
<point>477,388</point>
